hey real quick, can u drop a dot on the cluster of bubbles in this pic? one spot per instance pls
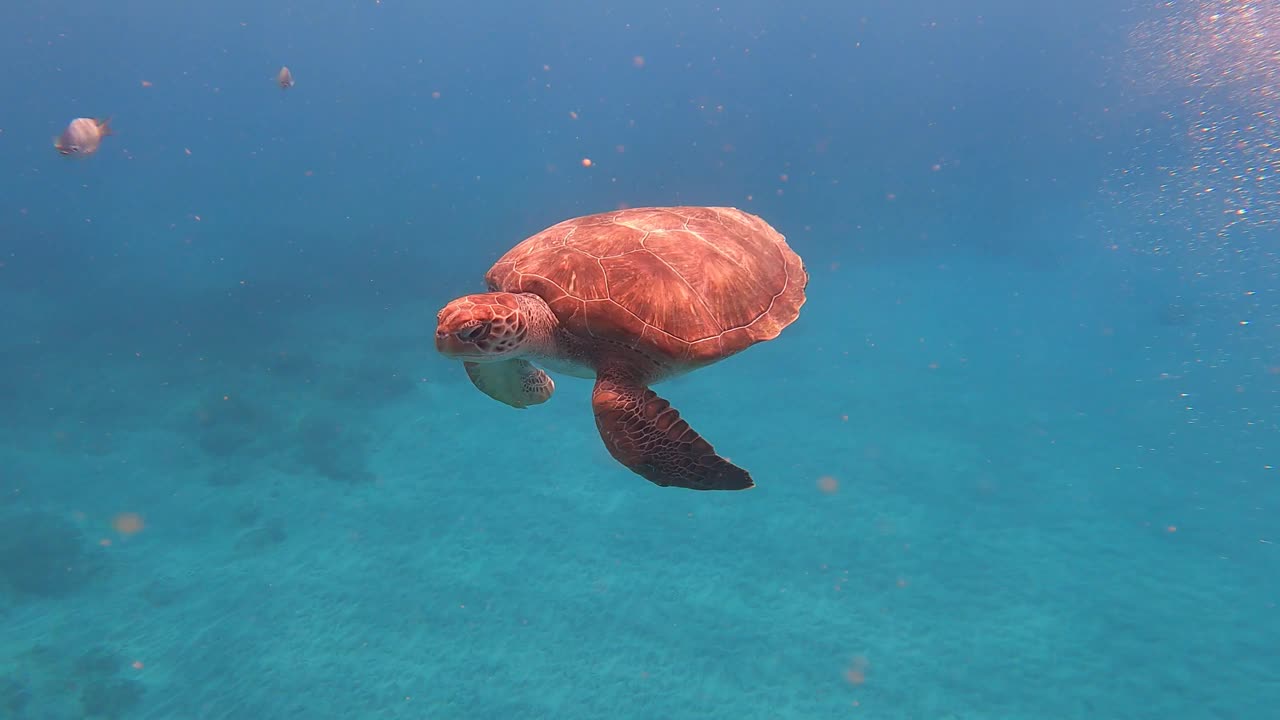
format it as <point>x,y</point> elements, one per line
<point>1197,197</point>
<point>1207,170</point>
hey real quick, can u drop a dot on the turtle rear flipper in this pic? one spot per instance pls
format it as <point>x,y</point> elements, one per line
<point>643,432</point>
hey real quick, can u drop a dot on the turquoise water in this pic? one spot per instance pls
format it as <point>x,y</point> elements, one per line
<point>1018,457</point>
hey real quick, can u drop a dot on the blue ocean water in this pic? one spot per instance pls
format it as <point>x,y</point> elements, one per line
<point>1018,458</point>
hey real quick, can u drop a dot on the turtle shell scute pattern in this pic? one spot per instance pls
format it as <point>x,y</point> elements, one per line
<point>686,285</point>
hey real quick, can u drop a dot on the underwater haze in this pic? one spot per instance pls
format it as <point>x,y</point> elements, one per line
<point>1018,457</point>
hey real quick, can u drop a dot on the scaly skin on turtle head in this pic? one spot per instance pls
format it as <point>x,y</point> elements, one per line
<point>486,327</point>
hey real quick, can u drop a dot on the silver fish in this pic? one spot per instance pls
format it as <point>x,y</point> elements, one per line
<point>82,137</point>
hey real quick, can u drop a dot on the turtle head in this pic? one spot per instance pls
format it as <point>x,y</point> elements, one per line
<point>487,327</point>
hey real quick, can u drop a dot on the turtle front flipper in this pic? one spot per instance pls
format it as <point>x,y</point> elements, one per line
<point>514,382</point>
<point>643,432</point>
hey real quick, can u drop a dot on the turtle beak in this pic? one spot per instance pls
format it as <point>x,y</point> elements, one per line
<point>448,344</point>
<point>462,343</point>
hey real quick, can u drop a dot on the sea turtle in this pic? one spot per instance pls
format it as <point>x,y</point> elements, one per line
<point>629,298</point>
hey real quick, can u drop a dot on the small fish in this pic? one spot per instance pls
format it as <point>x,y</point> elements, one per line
<point>82,136</point>
<point>284,78</point>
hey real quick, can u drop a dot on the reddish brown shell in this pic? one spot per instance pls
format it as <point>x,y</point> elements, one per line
<point>685,284</point>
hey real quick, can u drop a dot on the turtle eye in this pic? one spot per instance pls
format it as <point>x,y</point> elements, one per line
<point>474,333</point>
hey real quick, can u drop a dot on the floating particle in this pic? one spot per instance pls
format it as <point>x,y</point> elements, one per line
<point>856,673</point>
<point>127,523</point>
